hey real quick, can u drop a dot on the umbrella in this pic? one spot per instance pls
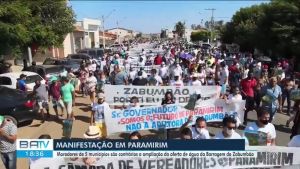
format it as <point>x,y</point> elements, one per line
<point>186,56</point>
<point>264,59</point>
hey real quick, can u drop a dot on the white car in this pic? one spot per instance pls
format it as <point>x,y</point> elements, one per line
<point>10,79</point>
<point>116,47</point>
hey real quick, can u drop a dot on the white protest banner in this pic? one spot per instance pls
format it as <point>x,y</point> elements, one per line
<point>271,157</point>
<point>153,95</point>
<point>170,116</point>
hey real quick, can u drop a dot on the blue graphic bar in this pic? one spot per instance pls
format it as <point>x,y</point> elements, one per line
<point>34,153</point>
<point>151,145</point>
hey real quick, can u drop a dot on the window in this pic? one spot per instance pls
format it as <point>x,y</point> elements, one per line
<point>5,81</point>
<point>92,53</point>
<point>32,79</point>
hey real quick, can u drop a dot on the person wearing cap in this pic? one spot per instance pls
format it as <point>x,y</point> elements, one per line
<point>41,93</point>
<point>194,81</point>
<point>22,83</point>
<point>99,109</point>
<point>54,93</point>
<point>8,137</point>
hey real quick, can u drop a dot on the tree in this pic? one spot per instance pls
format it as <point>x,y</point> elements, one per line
<point>273,28</point>
<point>200,36</point>
<point>40,23</point>
<point>180,28</point>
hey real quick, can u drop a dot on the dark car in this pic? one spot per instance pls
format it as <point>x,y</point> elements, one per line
<point>17,105</point>
<point>80,56</point>
<point>46,71</point>
<point>95,53</point>
<point>73,64</point>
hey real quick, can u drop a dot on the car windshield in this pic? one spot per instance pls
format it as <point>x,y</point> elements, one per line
<point>50,62</point>
<point>32,79</point>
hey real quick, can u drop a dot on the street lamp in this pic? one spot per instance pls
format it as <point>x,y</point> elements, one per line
<point>103,29</point>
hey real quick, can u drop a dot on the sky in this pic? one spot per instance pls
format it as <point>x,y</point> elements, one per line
<point>152,16</point>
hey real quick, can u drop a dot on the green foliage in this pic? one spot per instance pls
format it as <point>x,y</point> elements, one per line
<point>43,23</point>
<point>273,28</point>
<point>200,36</point>
<point>180,28</point>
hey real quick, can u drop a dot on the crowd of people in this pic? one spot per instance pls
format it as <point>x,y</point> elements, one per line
<point>241,77</point>
<point>265,87</point>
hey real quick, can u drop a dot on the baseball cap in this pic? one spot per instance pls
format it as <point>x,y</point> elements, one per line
<point>101,95</point>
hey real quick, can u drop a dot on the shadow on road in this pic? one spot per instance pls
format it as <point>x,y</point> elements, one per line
<point>81,104</point>
<point>83,118</point>
<point>85,109</point>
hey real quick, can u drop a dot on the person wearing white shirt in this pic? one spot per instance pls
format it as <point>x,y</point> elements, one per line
<point>295,142</point>
<point>177,70</point>
<point>132,74</point>
<point>224,74</point>
<point>93,66</point>
<point>228,132</point>
<point>263,125</point>
<point>233,97</point>
<point>199,131</point>
<point>163,71</point>
<point>195,81</point>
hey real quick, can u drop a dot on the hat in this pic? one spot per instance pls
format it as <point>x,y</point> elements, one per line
<point>101,95</point>
<point>92,132</point>
<point>22,75</point>
<point>53,78</point>
<point>1,119</point>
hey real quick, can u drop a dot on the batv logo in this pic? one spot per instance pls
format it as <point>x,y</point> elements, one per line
<point>34,144</point>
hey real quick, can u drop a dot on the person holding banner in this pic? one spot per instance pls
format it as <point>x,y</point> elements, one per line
<point>97,115</point>
<point>228,132</point>
<point>266,133</point>
<point>199,131</point>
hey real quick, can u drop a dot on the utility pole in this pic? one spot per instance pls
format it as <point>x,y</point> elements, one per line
<point>103,28</point>
<point>211,22</point>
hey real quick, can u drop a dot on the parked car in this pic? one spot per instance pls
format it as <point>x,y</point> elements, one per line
<point>116,47</point>
<point>17,105</point>
<point>95,53</point>
<point>74,64</point>
<point>79,56</point>
<point>10,79</point>
<point>46,71</point>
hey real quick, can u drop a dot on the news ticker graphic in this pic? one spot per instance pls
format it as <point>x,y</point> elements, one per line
<point>48,148</point>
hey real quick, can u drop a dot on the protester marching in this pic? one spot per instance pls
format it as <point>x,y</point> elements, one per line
<point>179,94</point>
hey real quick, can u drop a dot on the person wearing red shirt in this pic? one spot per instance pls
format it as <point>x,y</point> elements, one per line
<point>158,60</point>
<point>248,86</point>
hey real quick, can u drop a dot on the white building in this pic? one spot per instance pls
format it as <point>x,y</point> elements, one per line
<point>122,33</point>
<point>85,35</point>
<point>91,29</point>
